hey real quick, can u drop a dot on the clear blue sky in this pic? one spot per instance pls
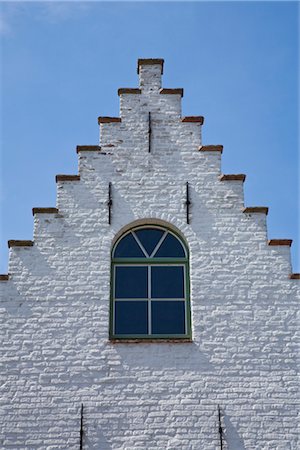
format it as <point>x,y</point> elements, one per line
<point>62,64</point>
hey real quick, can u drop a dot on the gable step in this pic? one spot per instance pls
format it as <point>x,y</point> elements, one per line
<point>88,148</point>
<point>12,243</point>
<point>44,211</point>
<point>274,242</point>
<point>193,119</point>
<point>211,148</point>
<point>4,277</point>
<point>105,119</point>
<point>256,209</point>
<point>129,91</point>
<point>67,178</point>
<point>294,276</point>
<point>150,62</point>
<point>177,91</point>
<point>233,177</point>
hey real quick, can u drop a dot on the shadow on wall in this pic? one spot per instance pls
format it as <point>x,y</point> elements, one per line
<point>121,207</point>
<point>233,440</point>
<point>16,304</point>
<point>161,356</point>
<point>95,442</point>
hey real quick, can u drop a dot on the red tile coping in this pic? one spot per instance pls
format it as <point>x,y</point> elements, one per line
<point>294,276</point>
<point>13,243</point>
<point>4,277</point>
<point>103,119</point>
<point>198,119</point>
<point>211,148</point>
<point>44,211</point>
<point>150,62</point>
<point>129,91</point>
<point>88,148</point>
<point>233,177</point>
<point>256,209</point>
<point>280,242</point>
<point>177,91</point>
<point>67,178</point>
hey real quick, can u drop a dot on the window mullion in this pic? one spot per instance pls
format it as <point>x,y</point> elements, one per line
<point>158,244</point>
<point>149,301</point>
<point>140,244</point>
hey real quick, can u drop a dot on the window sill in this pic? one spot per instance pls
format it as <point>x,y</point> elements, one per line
<point>150,340</point>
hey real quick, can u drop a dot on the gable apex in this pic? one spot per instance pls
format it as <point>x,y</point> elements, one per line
<point>150,62</point>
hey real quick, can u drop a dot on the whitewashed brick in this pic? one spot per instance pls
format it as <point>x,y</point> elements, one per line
<point>55,307</point>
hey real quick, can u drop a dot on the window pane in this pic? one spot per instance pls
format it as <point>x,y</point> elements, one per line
<point>171,247</point>
<point>128,247</point>
<point>131,317</point>
<point>168,317</point>
<point>167,282</point>
<point>131,282</point>
<point>149,238</point>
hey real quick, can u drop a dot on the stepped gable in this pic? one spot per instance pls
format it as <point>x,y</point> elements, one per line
<point>154,105</point>
<point>219,375</point>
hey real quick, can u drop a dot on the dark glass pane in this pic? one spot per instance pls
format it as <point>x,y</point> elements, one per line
<point>131,282</point>
<point>131,317</point>
<point>128,248</point>
<point>168,317</point>
<point>149,238</point>
<point>167,282</point>
<point>171,247</point>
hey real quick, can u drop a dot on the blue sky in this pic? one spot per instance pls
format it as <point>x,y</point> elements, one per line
<point>62,64</point>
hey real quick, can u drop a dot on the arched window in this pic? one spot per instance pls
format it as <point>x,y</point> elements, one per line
<point>150,285</point>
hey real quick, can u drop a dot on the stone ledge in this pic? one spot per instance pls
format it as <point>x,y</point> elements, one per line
<point>193,119</point>
<point>13,243</point>
<point>256,209</point>
<point>233,177</point>
<point>103,119</point>
<point>67,178</point>
<point>88,148</point>
<point>148,341</point>
<point>44,211</point>
<point>150,62</point>
<point>294,276</point>
<point>129,91</point>
<point>211,148</point>
<point>177,91</point>
<point>4,277</point>
<point>274,242</point>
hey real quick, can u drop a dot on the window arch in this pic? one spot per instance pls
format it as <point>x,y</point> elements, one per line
<point>150,285</point>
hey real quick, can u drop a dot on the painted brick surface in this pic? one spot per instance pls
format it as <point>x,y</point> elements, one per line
<point>55,306</point>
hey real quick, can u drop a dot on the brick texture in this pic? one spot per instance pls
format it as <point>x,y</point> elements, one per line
<point>158,395</point>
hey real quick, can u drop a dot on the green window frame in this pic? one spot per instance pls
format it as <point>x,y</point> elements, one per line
<point>150,285</point>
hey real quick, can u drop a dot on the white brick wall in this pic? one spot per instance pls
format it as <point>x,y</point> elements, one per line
<point>55,306</point>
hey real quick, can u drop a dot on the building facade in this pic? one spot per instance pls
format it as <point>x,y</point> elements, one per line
<point>150,311</point>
